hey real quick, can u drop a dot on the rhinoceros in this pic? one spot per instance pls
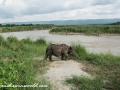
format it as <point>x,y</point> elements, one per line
<point>59,50</point>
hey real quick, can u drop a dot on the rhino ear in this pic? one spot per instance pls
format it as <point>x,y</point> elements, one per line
<point>70,47</point>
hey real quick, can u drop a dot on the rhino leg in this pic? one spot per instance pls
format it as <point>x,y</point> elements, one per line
<point>49,54</point>
<point>66,56</point>
<point>50,58</point>
<point>62,57</point>
<point>46,56</point>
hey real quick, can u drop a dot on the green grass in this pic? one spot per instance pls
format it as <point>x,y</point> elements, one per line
<point>18,65</point>
<point>87,29</point>
<point>65,29</point>
<point>40,41</point>
<point>85,83</point>
<point>107,66</point>
<point>17,28</point>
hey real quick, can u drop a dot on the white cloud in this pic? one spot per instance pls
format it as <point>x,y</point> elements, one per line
<point>38,10</point>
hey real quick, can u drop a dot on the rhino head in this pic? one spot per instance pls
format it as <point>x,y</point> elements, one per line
<point>71,51</point>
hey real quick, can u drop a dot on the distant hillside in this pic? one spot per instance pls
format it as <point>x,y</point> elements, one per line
<point>71,22</point>
<point>117,23</point>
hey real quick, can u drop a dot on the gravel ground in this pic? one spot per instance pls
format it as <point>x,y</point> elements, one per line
<point>60,69</point>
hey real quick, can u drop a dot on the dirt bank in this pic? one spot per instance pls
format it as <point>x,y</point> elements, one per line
<point>59,70</point>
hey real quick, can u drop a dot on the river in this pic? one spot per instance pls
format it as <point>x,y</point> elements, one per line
<point>103,43</point>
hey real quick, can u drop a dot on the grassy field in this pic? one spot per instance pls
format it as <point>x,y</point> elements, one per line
<point>88,29</point>
<point>85,83</point>
<point>104,67</point>
<point>18,65</point>
<point>16,28</point>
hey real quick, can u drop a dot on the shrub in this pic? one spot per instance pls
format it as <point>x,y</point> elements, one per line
<point>40,41</point>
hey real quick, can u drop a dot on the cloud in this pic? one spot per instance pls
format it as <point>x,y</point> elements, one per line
<point>43,7</point>
<point>18,10</point>
<point>11,8</point>
<point>104,2</point>
<point>29,7</point>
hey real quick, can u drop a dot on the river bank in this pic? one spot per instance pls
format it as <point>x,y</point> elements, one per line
<point>101,44</point>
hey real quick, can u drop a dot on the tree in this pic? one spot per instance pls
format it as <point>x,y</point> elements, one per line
<point>0,25</point>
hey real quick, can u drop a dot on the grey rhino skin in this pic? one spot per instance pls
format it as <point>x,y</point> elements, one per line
<point>59,50</point>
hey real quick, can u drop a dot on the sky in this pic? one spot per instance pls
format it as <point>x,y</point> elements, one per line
<point>47,10</point>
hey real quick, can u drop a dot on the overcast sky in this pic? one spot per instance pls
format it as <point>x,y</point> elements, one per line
<point>46,10</point>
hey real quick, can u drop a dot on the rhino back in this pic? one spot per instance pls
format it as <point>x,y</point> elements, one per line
<point>56,49</point>
<point>65,48</point>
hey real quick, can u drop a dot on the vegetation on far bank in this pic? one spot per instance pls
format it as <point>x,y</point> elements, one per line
<point>88,29</point>
<point>106,68</point>
<point>18,65</point>
<point>24,27</point>
<point>64,29</point>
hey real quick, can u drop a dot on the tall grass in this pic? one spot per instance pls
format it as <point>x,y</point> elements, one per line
<point>25,28</point>
<point>88,29</point>
<point>17,63</point>
<point>108,66</point>
<point>40,41</point>
<point>85,83</point>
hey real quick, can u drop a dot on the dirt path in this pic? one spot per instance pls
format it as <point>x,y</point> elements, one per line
<point>59,70</point>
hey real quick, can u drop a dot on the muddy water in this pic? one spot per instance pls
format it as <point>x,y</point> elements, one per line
<point>104,43</point>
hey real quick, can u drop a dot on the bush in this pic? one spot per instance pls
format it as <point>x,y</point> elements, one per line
<point>80,50</point>
<point>27,41</point>
<point>108,64</point>
<point>40,41</point>
<point>17,66</point>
